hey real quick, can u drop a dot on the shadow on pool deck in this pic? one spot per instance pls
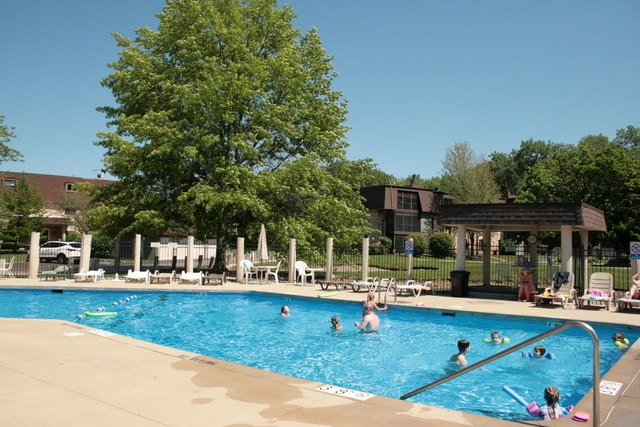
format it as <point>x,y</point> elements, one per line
<point>59,373</point>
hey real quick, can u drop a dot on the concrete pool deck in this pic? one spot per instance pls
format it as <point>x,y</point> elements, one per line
<point>60,373</point>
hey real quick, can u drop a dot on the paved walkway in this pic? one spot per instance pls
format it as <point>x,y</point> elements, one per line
<point>59,373</point>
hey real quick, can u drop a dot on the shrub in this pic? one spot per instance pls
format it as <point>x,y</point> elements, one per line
<point>381,246</point>
<point>441,245</point>
<point>419,245</point>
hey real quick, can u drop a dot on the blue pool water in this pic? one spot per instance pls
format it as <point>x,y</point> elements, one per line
<point>411,350</point>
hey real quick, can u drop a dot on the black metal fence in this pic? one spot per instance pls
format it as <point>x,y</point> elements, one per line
<point>117,257</point>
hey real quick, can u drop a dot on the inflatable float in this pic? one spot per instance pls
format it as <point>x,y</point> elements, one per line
<point>327,295</point>
<point>100,313</point>
<point>502,341</point>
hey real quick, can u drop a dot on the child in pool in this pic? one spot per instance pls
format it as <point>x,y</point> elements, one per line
<point>335,323</point>
<point>284,311</point>
<point>539,352</point>
<point>459,358</point>
<point>370,303</point>
<point>619,340</point>
<point>552,410</point>
<point>496,338</point>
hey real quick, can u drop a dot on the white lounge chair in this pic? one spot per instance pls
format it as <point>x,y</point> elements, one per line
<point>413,287</point>
<point>80,275</point>
<point>600,290</point>
<point>158,277</point>
<point>95,275</point>
<point>561,290</point>
<point>191,277</point>
<point>138,276</point>
<point>62,270</point>
<point>626,303</point>
<point>214,279</point>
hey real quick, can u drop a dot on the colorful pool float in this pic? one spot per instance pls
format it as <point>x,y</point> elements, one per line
<point>100,313</point>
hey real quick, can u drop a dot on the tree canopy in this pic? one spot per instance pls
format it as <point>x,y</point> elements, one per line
<point>6,134</point>
<point>226,118</point>
<point>467,176</point>
<point>596,170</point>
<point>21,212</point>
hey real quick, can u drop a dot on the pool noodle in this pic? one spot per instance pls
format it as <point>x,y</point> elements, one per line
<point>515,395</point>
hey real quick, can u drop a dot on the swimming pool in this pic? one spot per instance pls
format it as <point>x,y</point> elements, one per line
<point>410,351</point>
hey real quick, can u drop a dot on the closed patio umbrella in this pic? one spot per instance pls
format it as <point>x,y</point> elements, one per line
<point>262,252</point>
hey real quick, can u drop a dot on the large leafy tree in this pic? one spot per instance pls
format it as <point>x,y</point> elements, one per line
<point>225,118</point>
<point>511,170</point>
<point>22,210</point>
<point>597,171</point>
<point>6,134</point>
<point>467,175</point>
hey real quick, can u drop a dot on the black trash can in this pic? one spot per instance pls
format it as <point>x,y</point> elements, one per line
<point>460,283</point>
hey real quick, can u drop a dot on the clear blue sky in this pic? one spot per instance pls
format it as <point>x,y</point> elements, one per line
<point>420,75</point>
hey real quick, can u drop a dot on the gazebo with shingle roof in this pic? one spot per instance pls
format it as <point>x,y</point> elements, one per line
<point>527,217</point>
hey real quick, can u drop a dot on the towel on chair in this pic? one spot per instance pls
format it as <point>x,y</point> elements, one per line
<point>560,279</point>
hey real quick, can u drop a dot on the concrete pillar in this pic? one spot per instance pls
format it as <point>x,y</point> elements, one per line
<point>365,257</point>
<point>34,255</point>
<point>240,258</point>
<point>292,260</point>
<point>584,242</point>
<point>461,247</point>
<point>85,253</point>
<point>190,252</point>
<point>329,264</point>
<point>566,252</point>
<point>137,250</point>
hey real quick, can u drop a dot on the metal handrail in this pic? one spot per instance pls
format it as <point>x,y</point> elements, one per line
<point>567,325</point>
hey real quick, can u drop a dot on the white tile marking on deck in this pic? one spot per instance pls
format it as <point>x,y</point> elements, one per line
<point>73,334</point>
<point>353,394</point>
<point>610,387</point>
<point>101,333</point>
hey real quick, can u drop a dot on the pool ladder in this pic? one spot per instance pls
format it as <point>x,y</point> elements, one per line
<point>570,324</point>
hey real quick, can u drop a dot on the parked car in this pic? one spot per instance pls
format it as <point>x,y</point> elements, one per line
<point>59,251</point>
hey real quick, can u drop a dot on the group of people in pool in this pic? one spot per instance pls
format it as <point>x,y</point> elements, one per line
<point>552,409</point>
<point>370,321</point>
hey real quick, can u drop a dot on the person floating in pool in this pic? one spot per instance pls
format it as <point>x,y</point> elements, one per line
<point>335,323</point>
<point>619,340</point>
<point>284,311</point>
<point>552,410</point>
<point>496,338</point>
<point>460,359</point>
<point>370,321</point>
<point>539,352</point>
